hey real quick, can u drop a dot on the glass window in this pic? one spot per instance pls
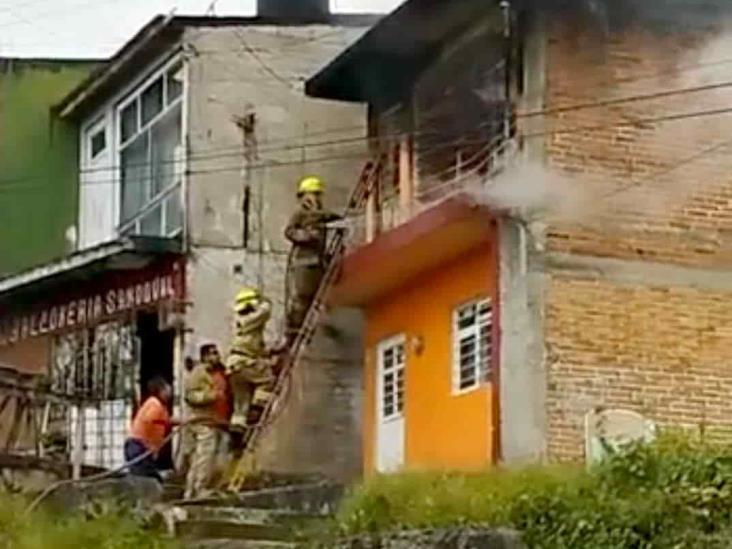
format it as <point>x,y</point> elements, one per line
<point>135,176</point>
<point>98,143</point>
<point>473,342</point>
<point>173,213</point>
<point>151,156</point>
<point>166,140</point>
<point>128,122</point>
<point>152,221</point>
<point>174,82</point>
<point>393,361</point>
<point>152,101</point>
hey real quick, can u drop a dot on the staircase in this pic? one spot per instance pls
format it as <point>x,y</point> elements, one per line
<point>262,519</point>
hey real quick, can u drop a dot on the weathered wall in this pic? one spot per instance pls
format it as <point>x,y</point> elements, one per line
<point>636,298</point>
<point>38,161</point>
<point>259,71</point>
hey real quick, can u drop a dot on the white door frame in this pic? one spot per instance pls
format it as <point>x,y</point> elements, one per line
<point>390,424</point>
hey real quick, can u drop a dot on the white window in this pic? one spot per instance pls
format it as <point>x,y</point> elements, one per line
<point>97,142</point>
<point>150,138</point>
<point>392,361</point>
<point>473,344</point>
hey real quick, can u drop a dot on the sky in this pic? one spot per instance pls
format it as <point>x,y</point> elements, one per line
<point>97,28</point>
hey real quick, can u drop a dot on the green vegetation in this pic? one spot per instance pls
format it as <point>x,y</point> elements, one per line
<point>104,527</point>
<point>676,493</point>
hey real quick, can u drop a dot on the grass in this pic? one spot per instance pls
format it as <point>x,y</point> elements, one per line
<point>675,493</point>
<point>106,527</point>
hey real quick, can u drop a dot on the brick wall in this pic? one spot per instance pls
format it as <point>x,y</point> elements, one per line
<point>649,193</point>
<point>648,189</point>
<point>665,352</point>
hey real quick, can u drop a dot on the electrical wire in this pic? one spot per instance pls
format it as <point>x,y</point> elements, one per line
<point>236,152</point>
<point>269,70</point>
<point>552,132</point>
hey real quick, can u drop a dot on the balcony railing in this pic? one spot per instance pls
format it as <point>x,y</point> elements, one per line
<point>394,189</point>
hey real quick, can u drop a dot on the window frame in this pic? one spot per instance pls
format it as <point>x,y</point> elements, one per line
<point>93,129</point>
<point>381,348</point>
<point>168,106</point>
<point>482,371</point>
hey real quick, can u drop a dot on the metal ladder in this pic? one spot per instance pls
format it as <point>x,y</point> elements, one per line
<point>245,465</point>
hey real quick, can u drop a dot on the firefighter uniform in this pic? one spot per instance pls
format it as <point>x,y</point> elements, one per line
<point>201,396</point>
<point>307,231</point>
<point>250,364</point>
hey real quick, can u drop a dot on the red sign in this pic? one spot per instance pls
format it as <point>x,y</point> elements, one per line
<point>113,296</point>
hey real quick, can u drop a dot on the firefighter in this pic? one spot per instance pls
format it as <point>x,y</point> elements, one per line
<point>207,397</point>
<point>307,231</point>
<point>250,365</point>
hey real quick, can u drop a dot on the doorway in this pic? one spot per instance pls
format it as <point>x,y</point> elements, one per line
<point>156,359</point>
<point>391,399</point>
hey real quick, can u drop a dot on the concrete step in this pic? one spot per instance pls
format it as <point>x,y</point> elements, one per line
<point>239,514</point>
<point>319,499</point>
<point>203,522</point>
<point>214,529</point>
<point>238,544</point>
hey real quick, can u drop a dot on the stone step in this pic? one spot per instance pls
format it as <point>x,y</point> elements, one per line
<point>239,514</point>
<point>217,529</point>
<point>203,522</point>
<point>238,544</point>
<point>313,499</point>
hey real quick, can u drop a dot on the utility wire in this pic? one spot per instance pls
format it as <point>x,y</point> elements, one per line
<point>5,184</point>
<point>557,131</point>
<point>419,133</point>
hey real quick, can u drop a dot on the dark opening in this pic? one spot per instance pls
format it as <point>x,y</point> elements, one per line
<point>246,209</point>
<point>156,359</point>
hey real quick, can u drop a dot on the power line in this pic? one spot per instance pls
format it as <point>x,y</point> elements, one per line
<point>272,164</point>
<point>269,70</point>
<point>238,151</point>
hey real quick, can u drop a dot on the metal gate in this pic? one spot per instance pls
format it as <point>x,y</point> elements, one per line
<point>97,368</point>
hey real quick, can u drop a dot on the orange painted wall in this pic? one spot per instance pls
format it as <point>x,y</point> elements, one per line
<point>442,430</point>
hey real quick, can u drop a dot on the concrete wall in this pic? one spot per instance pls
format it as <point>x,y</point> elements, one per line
<point>254,76</point>
<point>523,420</point>
<point>38,162</point>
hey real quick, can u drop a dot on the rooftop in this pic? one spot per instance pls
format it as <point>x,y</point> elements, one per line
<point>160,35</point>
<point>397,49</point>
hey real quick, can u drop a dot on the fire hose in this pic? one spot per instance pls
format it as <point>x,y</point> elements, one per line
<point>106,474</point>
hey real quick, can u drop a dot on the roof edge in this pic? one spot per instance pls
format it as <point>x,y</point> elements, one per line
<point>69,104</point>
<point>137,244</point>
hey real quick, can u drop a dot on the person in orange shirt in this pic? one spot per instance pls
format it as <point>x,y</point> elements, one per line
<point>149,430</point>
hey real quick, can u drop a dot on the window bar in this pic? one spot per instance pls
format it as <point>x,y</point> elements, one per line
<point>164,215</point>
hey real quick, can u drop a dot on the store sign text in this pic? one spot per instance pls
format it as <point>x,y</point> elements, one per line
<point>88,310</point>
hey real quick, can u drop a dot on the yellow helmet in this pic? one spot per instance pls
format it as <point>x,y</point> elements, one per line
<point>246,296</point>
<point>310,184</point>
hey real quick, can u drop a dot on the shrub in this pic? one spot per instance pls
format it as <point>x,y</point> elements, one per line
<point>105,527</point>
<point>674,493</point>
